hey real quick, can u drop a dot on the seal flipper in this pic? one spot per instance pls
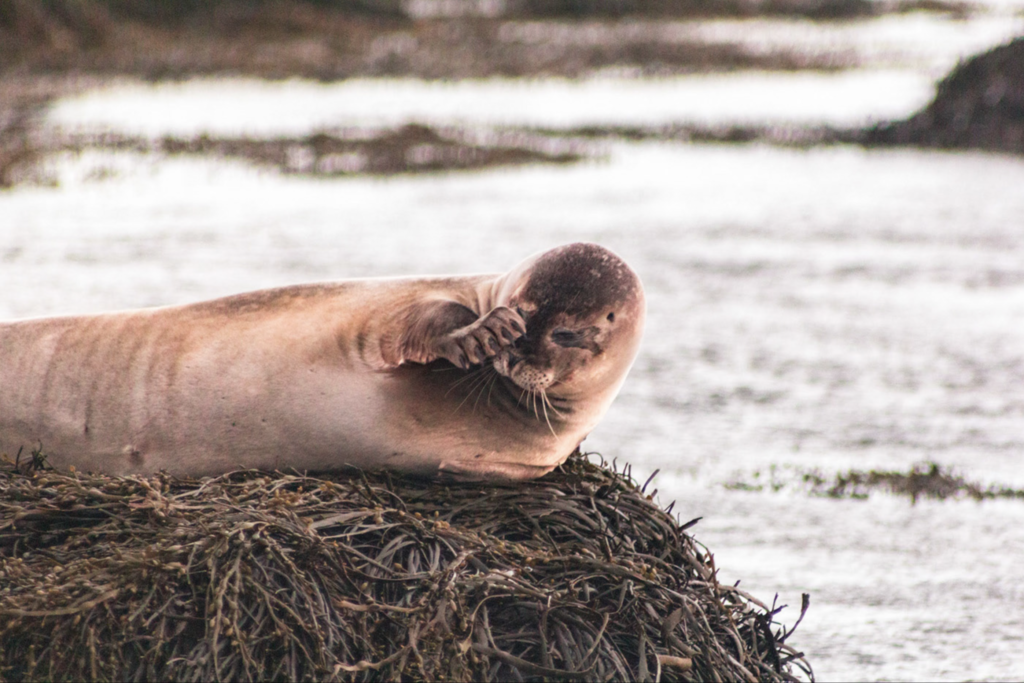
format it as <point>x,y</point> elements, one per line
<point>420,328</point>
<point>482,339</point>
<point>454,332</point>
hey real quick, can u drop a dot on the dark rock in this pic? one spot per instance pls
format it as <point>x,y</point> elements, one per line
<point>980,105</point>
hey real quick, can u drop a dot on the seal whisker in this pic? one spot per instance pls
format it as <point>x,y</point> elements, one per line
<point>474,374</point>
<point>533,398</point>
<point>494,381</point>
<point>485,384</point>
<point>461,403</point>
<point>479,378</point>
<point>543,404</point>
<point>544,396</point>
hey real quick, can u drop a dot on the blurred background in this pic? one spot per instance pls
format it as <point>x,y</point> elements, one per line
<point>824,199</point>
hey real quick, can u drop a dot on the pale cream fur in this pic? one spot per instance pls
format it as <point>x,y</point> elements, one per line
<point>312,377</point>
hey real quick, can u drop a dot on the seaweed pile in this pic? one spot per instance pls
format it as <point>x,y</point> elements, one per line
<point>924,480</point>
<point>358,576</point>
<point>927,480</point>
<point>409,149</point>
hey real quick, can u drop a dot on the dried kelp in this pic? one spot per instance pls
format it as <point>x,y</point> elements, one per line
<point>357,576</point>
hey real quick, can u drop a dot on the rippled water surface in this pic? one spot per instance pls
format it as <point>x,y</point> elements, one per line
<point>829,309</point>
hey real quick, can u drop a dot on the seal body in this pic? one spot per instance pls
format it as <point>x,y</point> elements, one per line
<point>482,377</point>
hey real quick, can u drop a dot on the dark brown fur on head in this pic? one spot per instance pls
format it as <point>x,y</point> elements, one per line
<point>580,280</point>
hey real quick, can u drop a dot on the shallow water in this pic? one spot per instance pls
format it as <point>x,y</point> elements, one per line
<point>829,309</point>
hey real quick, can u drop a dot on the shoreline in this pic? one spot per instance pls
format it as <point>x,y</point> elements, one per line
<point>47,56</point>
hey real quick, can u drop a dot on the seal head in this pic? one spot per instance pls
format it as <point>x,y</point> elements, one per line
<point>584,312</point>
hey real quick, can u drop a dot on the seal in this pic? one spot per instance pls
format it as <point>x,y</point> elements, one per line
<point>482,377</point>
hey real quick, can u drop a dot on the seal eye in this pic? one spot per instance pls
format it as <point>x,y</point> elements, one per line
<point>564,337</point>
